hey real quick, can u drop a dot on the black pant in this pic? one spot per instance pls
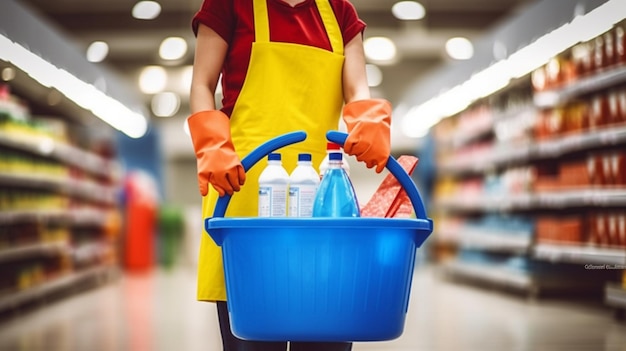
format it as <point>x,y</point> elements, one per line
<point>232,343</point>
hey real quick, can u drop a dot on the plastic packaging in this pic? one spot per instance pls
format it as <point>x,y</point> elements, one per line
<point>273,188</point>
<point>332,147</point>
<point>303,184</point>
<point>336,196</point>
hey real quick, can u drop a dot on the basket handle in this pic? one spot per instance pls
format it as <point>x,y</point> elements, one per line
<point>255,156</point>
<point>336,137</point>
<point>394,168</point>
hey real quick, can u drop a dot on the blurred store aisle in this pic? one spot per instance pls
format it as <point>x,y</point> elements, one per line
<point>158,312</point>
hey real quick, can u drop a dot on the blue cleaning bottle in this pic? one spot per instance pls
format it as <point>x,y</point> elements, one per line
<point>335,196</point>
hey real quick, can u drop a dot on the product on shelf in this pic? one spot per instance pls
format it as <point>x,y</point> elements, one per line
<point>567,229</point>
<point>597,111</point>
<point>620,43</point>
<point>602,53</point>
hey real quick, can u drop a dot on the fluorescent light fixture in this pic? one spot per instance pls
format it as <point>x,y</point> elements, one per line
<point>165,104</point>
<point>408,10</point>
<point>380,49</point>
<point>374,75</point>
<point>85,95</point>
<point>582,28</point>
<point>146,10</point>
<point>97,51</point>
<point>459,48</point>
<point>152,79</point>
<point>173,48</point>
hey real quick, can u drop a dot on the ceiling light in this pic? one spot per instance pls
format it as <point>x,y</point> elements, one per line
<point>173,48</point>
<point>374,75</point>
<point>146,10</point>
<point>8,74</point>
<point>380,49</point>
<point>165,104</point>
<point>152,79</point>
<point>460,48</point>
<point>97,51</point>
<point>408,10</point>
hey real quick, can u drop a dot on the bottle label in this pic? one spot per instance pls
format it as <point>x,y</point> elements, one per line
<point>272,201</point>
<point>301,199</point>
<point>264,201</point>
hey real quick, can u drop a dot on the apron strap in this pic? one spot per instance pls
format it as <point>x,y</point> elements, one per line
<point>332,27</point>
<point>262,31</point>
<point>261,21</point>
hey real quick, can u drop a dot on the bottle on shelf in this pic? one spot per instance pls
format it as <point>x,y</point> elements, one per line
<point>273,188</point>
<point>335,196</point>
<point>303,183</point>
<point>332,147</point>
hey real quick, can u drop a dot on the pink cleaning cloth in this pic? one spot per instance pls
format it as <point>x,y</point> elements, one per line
<point>390,199</point>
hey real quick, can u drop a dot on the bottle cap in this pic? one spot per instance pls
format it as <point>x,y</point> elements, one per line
<point>304,157</point>
<point>273,157</point>
<point>332,146</point>
<point>335,156</point>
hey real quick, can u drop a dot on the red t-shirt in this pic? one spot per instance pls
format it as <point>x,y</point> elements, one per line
<point>233,20</point>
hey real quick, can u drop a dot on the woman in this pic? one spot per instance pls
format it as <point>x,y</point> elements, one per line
<point>286,65</point>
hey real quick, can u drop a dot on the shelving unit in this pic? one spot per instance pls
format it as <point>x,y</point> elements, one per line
<point>595,257</point>
<point>547,194</point>
<point>59,210</point>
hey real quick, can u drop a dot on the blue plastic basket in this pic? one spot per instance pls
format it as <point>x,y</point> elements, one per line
<point>318,279</point>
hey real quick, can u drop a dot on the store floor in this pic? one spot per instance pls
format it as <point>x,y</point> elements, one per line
<point>158,312</point>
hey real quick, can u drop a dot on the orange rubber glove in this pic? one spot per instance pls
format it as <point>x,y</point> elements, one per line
<point>369,135</point>
<point>217,161</point>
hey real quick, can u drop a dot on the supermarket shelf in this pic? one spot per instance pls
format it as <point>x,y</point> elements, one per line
<point>491,274</point>
<point>85,189</point>
<point>576,198</point>
<point>19,216</point>
<point>607,136</point>
<point>483,202</point>
<point>534,282</point>
<point>42,291</point>
<point>33,250</point>
<point>495,241</point>
<point>73,216</point>
<point>615,295</point>
<point>47,147</point>
<point>609,257</point>
<point>532,201</point>
<point>503,155</point>
<point>603,80</point>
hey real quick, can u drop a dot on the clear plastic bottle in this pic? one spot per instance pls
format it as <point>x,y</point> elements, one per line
<point>335,196</point>
<point>303,184</point>
<point>332,147</point>
<point>273,188</point>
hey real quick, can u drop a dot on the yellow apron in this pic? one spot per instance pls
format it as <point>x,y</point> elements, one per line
<point>288,87</point>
